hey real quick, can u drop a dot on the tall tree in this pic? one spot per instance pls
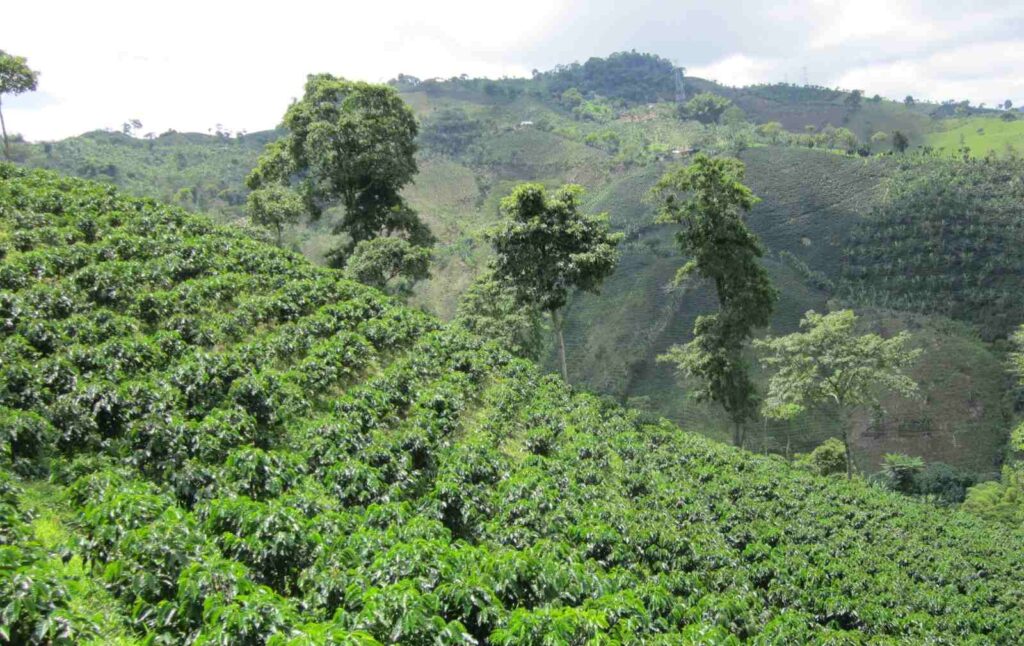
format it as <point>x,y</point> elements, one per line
<point>709,199</point>
<point>828,364</point>
<point>546,247</point>
<point>351,144</point>
<point>15,78</point>
<point>772,130</point>
<point>853,99</point>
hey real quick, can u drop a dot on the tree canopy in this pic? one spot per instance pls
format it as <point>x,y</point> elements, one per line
<point>547,247</point>
<point>709,198</point>
<point>854,99</point>
<point>827,363</point>
<point>900,142</point>
<point>389,264</point>
<point>16,77</point>
<point>351,144</point>
<point>706,107</point>
<point>630,76</point>
<point>274,207</point>
<point>490,309</point>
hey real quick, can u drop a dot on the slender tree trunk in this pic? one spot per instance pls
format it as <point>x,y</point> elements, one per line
<point>557,324</point>
<point>849,455</point>
<point>737,434</point>
<point>764,425</point>
<point>3,126</point>
<point>846,443</point>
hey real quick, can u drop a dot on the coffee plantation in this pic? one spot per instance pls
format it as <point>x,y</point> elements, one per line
<point>238,447</point>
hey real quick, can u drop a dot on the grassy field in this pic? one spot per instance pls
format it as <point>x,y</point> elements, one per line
<point>981,135</point>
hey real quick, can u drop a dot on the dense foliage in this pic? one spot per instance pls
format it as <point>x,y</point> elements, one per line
<point>811,198</point>
<point>706,107</point>
<point>349,144</point>
<point>948,239</point>
<point>196,171</point>
<point>491,310</point>
<point>390,264</point>
<point>254,450</point>
<point>1003,500</point>
<point>630,76</point>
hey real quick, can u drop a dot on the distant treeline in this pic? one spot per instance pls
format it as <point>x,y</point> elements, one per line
<point>632,77</point>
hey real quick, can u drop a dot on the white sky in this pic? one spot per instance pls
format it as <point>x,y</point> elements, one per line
<point>189,65</point>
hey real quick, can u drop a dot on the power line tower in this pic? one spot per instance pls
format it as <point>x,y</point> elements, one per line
<point>680,86</point>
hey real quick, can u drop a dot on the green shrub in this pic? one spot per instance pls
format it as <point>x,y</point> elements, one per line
<point>24,437</point>
<point>34,606</point>
<point>260,474</point>
<point>1001,501</point>
<point>827,458</point>
<point>943,483</point>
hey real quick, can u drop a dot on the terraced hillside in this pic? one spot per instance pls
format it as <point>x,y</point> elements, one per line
<point>207,439</point>
<point>948,239</point>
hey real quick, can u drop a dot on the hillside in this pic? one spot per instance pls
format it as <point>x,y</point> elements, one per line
<point>980,135</point>
<point>479,138</point>
<point>243,448</point>
<point>796,107</point>
<point>192,170</point>
<point>948,238</point>
<point>812,202</point>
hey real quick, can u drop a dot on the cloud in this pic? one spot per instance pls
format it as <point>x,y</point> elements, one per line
<point>193,64</point>
<point>983,72</point>
<point>872,22</point>
<point>739,69</point>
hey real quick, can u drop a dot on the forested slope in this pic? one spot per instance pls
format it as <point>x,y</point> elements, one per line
<point>207,438</point>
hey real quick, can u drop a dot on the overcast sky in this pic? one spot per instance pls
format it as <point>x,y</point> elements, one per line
<point>190,65</point>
